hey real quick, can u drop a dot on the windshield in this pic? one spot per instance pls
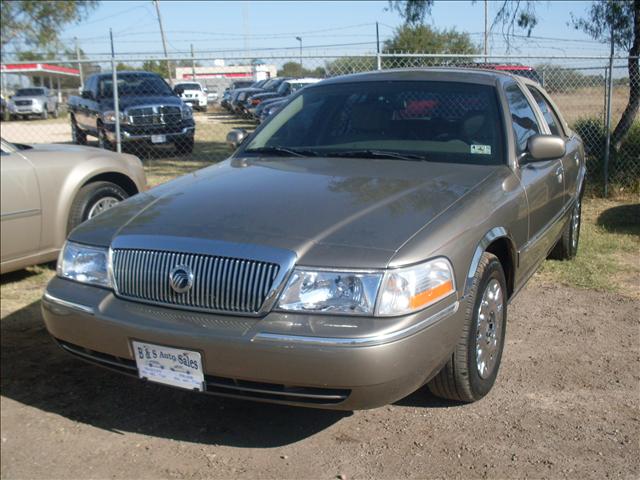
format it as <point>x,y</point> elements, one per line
<point>438,121</point>
<point>29,92</point>
<point>181,87</point>
<point>134,84</point>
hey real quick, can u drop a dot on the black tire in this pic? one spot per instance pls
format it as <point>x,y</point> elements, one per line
<point>78,136</point>
<point>45,113</point>
<point>56,112</point>
<point>460,379</point>
<point>184,146</point>
<point>103,140</point>
<point>567,246</point>
<point>88,197</point>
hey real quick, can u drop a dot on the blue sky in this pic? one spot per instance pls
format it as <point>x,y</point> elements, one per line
<point>237,27</point>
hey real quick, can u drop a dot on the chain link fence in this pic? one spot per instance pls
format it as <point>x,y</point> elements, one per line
<point>183,122</point>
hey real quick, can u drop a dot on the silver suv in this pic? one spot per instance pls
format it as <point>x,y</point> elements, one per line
<point>38,101</point>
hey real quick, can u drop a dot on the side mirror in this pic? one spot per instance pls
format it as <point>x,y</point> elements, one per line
<point>544,147</point>
<point>87,94</point>
<point>236,137</point>
<point>205,90</point>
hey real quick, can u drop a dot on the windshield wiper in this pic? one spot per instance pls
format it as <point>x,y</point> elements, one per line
<point>368,153</point>
<point>284,151</point>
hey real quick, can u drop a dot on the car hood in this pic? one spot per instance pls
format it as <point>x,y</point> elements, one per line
<point>329,211</point>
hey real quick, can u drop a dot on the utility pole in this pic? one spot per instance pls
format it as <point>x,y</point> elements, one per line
<point>300,40</point>
<point>378,47</point>
<point>79,64</point>
<point>164,40</point>
<point>486,29</point>
<point>193,65</point>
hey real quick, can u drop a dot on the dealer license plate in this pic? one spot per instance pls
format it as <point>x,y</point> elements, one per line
<point>158,138</point>
<point>171,366</point>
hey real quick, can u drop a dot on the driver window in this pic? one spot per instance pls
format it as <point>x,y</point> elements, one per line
<point>523,119</point>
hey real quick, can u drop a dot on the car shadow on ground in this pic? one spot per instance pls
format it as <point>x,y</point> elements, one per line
<point>38,373</point>
<point>621,219</point>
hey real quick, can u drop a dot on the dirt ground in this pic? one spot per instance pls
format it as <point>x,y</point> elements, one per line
<point>566,404</point>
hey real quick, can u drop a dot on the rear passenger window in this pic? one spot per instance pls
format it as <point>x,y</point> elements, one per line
<point>522,116</point>
<point>547,111</point>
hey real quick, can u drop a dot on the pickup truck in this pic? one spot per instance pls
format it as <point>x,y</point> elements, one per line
<point>150,112</point>
<point>192,93</point>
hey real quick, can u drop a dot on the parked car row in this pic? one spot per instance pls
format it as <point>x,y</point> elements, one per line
<point>263,98</point>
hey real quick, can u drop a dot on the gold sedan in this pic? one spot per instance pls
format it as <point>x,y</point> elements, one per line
<point>47,190</point>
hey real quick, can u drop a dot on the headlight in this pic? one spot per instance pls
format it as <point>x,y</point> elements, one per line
<point>382,294</point>
<point>110,117</point>
<point>84,264</point>
<point>187,112</point>
<point>331,292</point>
<point>409,289</point>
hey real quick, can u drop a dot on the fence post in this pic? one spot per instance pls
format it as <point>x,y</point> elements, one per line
<point>607,144</point>
<point>378,59</point>
<point>116,103</point>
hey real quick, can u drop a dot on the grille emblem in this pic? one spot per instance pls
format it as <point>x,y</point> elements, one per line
<point>181,279</point>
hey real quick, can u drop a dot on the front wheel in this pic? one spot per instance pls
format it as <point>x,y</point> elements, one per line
<point>45,113</point>
<point>473,367</point>
<point>103,140</point>
<point>78,136</point>
<point>92,200</point>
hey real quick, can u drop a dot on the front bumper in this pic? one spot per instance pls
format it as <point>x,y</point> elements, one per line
<point>126,136</point>
<point>25,109</point>
<point>249,358</point>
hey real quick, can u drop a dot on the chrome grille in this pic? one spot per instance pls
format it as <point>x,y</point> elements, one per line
<point>220,284</point>
<point>23,103</point>
<point>154,115</point>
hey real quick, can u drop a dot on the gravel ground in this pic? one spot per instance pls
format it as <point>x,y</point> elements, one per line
<point>566,404</point>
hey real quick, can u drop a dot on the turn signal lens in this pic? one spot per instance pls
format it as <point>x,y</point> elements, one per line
<point>409,289</point>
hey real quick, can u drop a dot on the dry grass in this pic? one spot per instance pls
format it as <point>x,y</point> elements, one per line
<point>589,102</point>
<point>609,252</point>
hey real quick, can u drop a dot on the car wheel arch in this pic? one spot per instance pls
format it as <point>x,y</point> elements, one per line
<point>498,242</point>
<point>66,201</point>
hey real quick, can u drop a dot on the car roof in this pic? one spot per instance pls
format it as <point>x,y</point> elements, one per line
<point>447,74</point>
<point>303,80</point>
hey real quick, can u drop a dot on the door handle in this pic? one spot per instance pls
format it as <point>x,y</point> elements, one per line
<point>559,173</point>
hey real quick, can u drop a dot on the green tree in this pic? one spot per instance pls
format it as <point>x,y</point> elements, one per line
<point>619,20</point>
<point>293,69</point>
<point>38,23</point>
<point>512,13</point>
<point>155,66</point>
<point>424,39</point>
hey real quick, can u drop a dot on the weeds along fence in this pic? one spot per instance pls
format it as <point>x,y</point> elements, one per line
<point>580,86</point>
